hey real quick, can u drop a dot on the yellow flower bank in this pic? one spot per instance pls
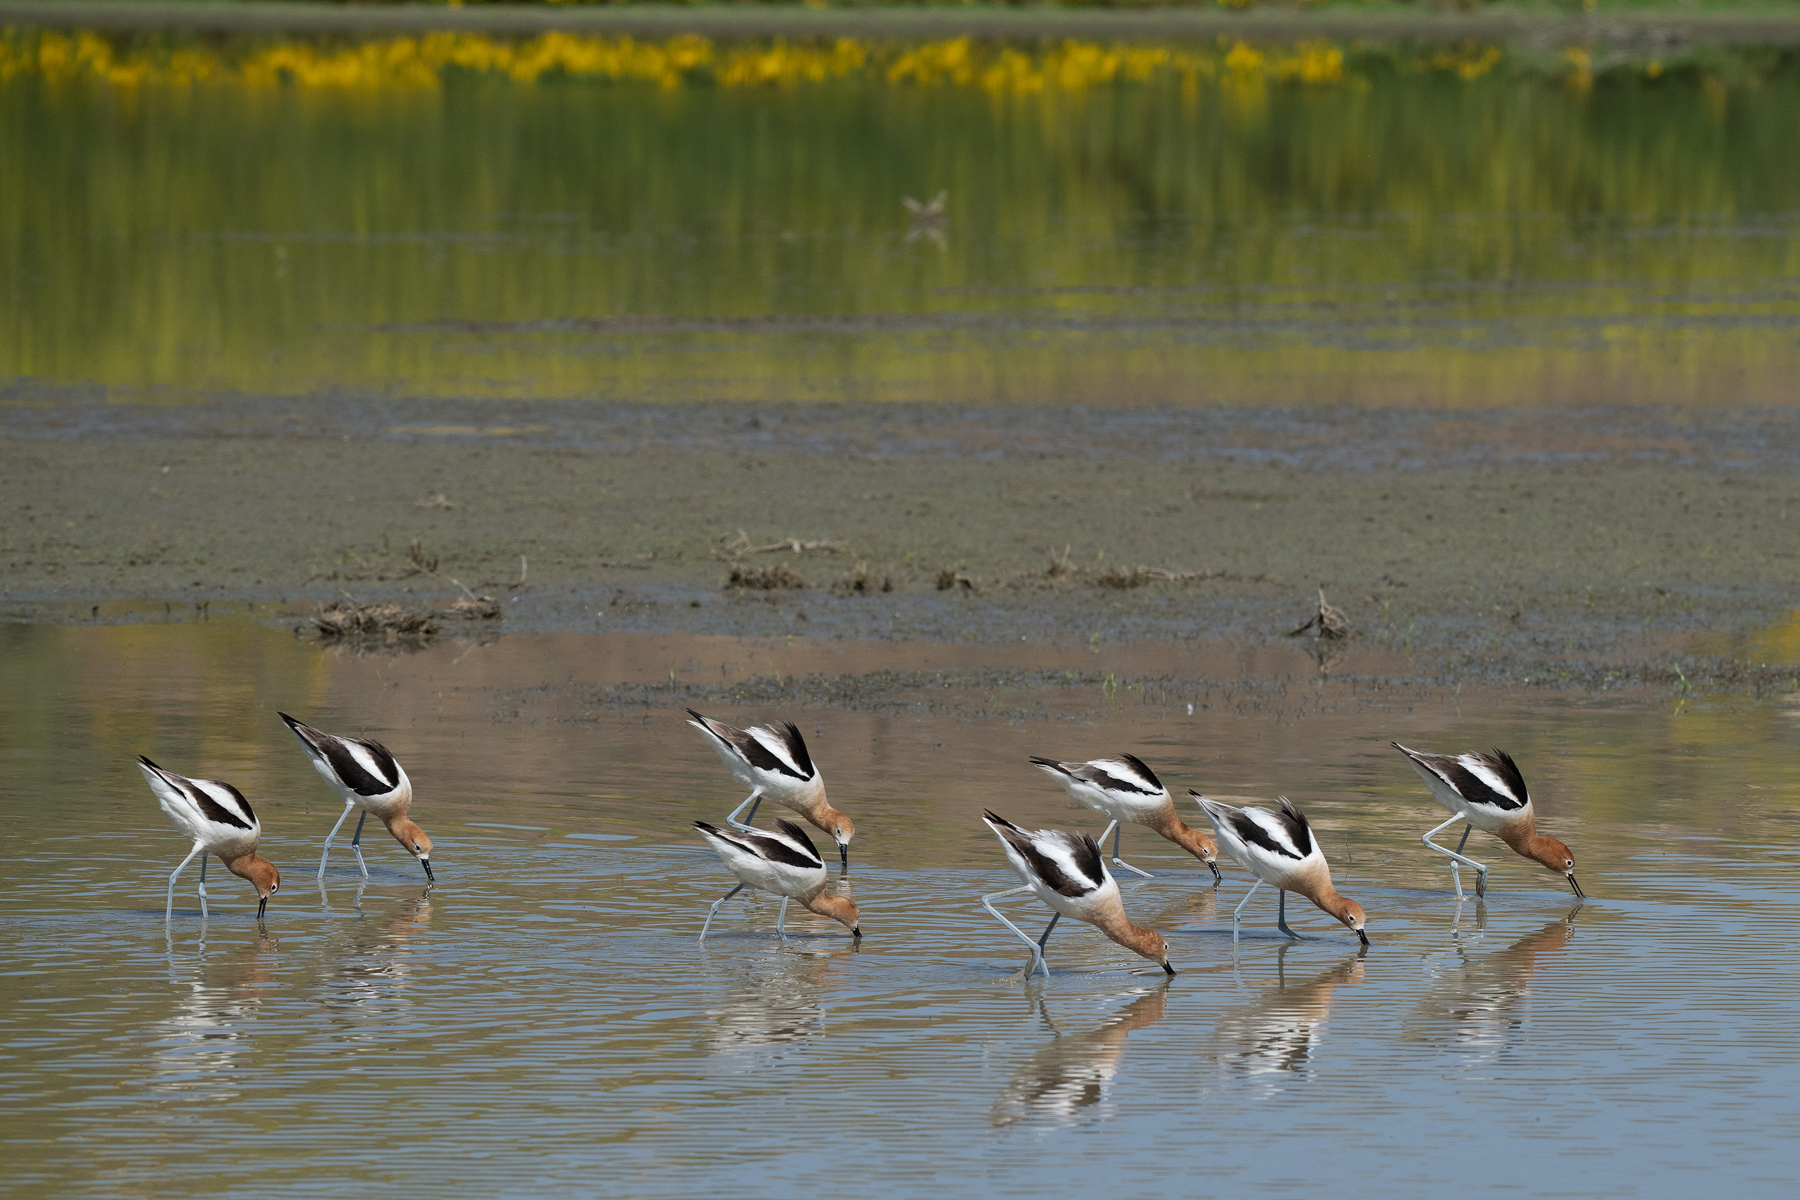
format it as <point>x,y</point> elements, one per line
<point>424,62</point>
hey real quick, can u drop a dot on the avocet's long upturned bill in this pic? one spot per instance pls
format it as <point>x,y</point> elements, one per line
<point>1488,792</point>
<point>365,776</point>
<point>221,822</point>
<point>771,761</point>
<point>1279,848</point>
<point>783,863</point>
<point>1065,872</point>
<point>1125,789</point>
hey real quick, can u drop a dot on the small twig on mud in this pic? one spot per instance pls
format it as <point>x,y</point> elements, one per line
<point>1062,566</point>
<point>738,547</point>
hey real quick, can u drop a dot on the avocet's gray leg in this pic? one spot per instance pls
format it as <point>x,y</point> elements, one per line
<point>751,802</point>
<point>1118,831</point>
<point>1054,918</point>
<point>1281,917</point>
<point>326,853</point>
<point>356,844</point>
<point>169,908</point>
<point>715,907</point>
<point>1457,857</point>
<point>781,920</point>
<point>1037,949</point>
<point>1238,911</point>
<point>203,913</point>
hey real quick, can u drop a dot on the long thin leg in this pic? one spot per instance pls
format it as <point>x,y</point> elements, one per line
<point>356,844</point>
<point>1118,831</point>
<point>1054,918</point>
<point>203,913</point>
<point>1281,917</point>
<point>751,802</point>
<point>1238,911</point>
<point>326,853</point>
<point>169,909</point>
<point>781,920</point>
<point>715,907</point>
<point>1037,950</point>
<point>1457,857</point>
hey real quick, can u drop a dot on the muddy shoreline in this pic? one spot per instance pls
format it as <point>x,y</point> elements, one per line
<point>1598,547</point>
<point>1636,27</point>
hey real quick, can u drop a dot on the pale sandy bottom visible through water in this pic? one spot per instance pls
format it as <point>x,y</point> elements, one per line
<point>544,1022</point>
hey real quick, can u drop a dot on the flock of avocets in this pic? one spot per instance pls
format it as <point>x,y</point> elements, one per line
<point>1064,870</point>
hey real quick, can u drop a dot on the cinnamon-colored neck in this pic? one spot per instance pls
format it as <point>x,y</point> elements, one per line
<point>1184,835</point>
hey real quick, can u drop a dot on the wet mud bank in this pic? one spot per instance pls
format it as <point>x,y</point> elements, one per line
<point>1589,548</point>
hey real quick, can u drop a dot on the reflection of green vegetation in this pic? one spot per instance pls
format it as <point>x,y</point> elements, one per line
<point>1458,230</point>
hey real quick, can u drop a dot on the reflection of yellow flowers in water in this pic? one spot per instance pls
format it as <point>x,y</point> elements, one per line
<point>1779,644</point>
<point>425,61</point>
<point>1469,60</point>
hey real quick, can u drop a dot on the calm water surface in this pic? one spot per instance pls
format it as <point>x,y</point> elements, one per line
<point>1381,230</point>
<point>543,1020</point>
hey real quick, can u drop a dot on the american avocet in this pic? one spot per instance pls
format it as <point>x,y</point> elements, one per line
<point>784,863</point>
<point>221,822</point>
<point>771,760</point>
<point>1279,848</point>
<point>1125,789</point>
<point>1488,792</point>
<point>1065,872</point>
<point>365,776</point>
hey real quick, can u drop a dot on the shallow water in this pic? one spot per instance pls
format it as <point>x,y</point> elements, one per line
<point>1229,231</point>
<point>544,1020</point>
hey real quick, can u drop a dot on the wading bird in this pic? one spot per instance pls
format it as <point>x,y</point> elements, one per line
<point>783,863</point>
<point>1065,872</point>
<point>1279,848</point>
<point>221,822</point>
<point>365,776</point>
<point>771,761</point>
<point>1488,792</point>
<point>1125,789</point>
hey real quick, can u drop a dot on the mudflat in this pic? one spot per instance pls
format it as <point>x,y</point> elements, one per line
<point>1596,547</point>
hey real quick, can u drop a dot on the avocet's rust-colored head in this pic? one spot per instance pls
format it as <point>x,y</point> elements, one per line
<point>1352,915</point>
<point>1159,951</point>
<point>839,908</point>
<point>1556,857</point>
<point>262,876</point>
<point>406,831</point>
<point>842,830</point>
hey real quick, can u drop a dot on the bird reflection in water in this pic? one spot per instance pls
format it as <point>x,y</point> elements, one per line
<point>1068,1079</point>
<point>1281,1030</point>
<point>372,961</point>
<point>215,997</point>
<point>775,1000</point>
<point>1478,1000</point>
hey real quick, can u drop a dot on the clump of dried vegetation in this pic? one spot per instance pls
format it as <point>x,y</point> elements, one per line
<point>1327,622</point>
<point>950,578</point>
<point>366,621</point>
<point>860,583</point>
<point>779,577</point>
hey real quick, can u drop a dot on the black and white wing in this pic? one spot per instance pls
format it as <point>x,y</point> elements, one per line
<point>1279,839</point>
<point>777,750</point>
<point>1127,774</point>
<point>349,764</point>
<point>205,809</point>
<point>1485,781</point>
<point>1068,864</point>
